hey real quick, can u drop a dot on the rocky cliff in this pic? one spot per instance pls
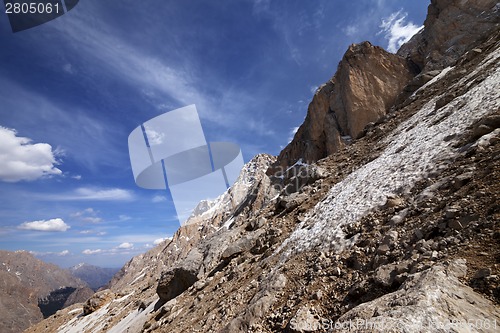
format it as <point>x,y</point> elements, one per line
<point>392,228</point>
<point>366,85</point>
<point>31,290</point>
<point>369,80</point>
<point>452,28</point>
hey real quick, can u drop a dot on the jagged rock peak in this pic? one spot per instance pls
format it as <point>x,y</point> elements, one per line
<point>452,27</point>
<point>366,84</point>
<point>251,174</point>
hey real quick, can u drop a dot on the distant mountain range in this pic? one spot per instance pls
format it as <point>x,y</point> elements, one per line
<point>96,277</point>
<point>31,290</point>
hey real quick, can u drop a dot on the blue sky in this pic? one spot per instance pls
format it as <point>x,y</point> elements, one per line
<point>73,89</point>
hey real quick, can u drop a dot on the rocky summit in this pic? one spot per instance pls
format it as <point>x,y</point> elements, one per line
<point>381,215</point>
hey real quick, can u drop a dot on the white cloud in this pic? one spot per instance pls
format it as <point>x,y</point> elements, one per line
<point>125,246</point>
<point>88,215</point>
<point>351,30</point>
<point>159,198</point>
<point>89,252</point>
<point>154,138</point>
<point>292,132</point>
<point>77,177</point>
<point>161,240</point>
<point>43,254</point>
<point>124,218</point>
<point>134,65</point>
<point>68,68</point>
<point>20,159</point>
<point>94,194</point>
<point>397,31</point>
<point>112,194</point>
<point>42,225</point>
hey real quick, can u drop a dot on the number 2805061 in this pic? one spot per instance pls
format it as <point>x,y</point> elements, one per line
<point>32,8</point>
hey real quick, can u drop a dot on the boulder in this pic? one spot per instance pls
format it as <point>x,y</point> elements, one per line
<point>97,301</point>
<point>175,281</point>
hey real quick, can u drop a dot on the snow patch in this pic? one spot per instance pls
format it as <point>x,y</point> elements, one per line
<point>93,322</point>
<point>75,311</point>
<point>134,321</point>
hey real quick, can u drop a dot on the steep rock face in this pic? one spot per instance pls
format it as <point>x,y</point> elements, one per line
<point>452,27</point>
<point>366,85</point>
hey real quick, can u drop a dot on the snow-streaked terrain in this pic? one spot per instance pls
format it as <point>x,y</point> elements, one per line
<point>414,149</point>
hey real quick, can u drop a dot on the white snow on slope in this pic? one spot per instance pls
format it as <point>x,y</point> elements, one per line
<point>134,321</point>
<point>415,148</point>
<point>78,324</point>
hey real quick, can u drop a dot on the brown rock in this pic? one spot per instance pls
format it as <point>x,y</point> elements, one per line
<point>366,84</point>
<point>97,301</point>
<point>452,28</point>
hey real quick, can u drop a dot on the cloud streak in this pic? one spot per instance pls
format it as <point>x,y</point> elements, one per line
<point>94,194</point>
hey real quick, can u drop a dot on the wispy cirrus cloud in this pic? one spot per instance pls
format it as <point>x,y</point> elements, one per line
<point>397,31</point>
<point>56,224</point>
<point>88,215</point>
<point>88,140</point>
<point>63,253</point>
<point>159,198</point>
<point>93,194</point>
<point>21,159</point>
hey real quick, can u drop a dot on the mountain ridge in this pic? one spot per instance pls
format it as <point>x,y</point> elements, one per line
<point>27,286</point>
<point>396,228</point>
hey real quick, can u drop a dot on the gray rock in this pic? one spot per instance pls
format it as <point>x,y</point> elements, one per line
<point>419,234</point>
<point>482,273</point>
<point>385,275</point>
<point>425,301</point>
<point>451,212</point>
<point>175,281</point>
<point>390,238</point>
<point>383,249</point>
<point>455,224</point>
<point>304,321</point>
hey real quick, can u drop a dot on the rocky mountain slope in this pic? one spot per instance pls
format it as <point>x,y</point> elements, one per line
<point>96,277</point>
<point>371,220</point>
<point>31,289</point>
